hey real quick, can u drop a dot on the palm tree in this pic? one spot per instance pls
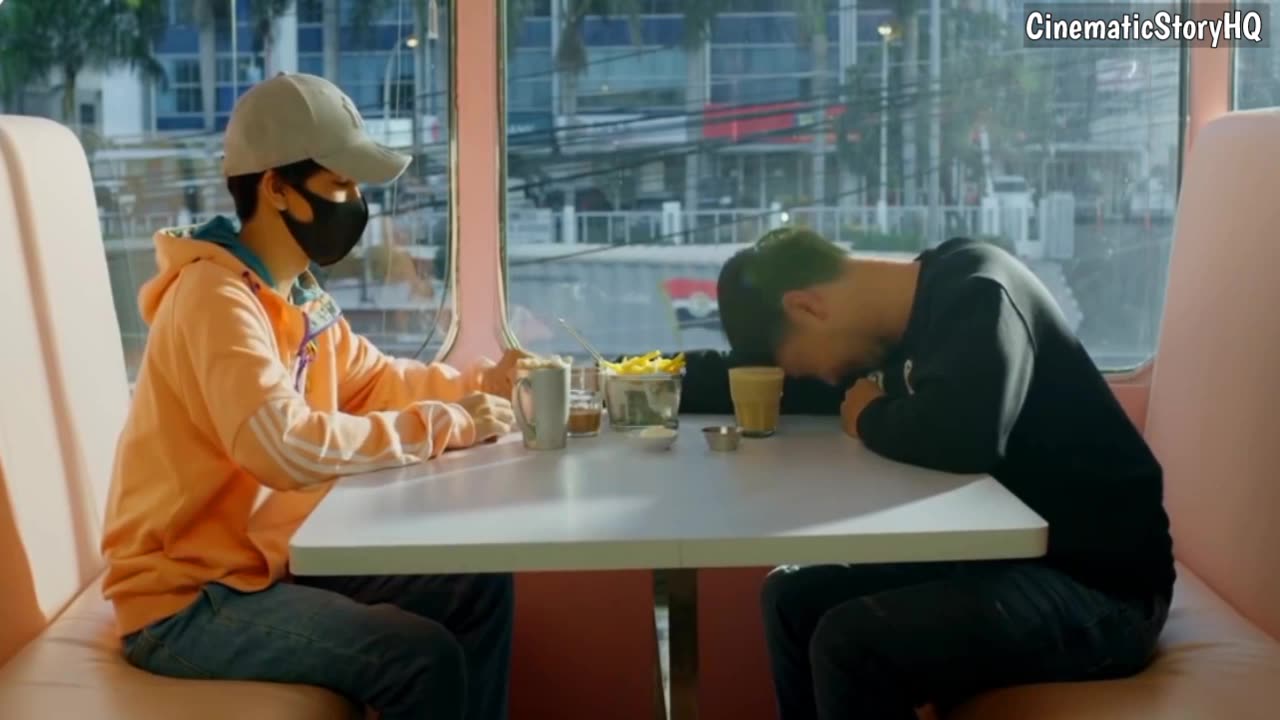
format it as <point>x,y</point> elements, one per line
<point>908,13</point>
<point>24,57</point>
<point>263,15</point>
<point>331,30</point>
<point>1010,96</point>
<point>425,16</point>
<point>73,35</point>
<point>516,11</point>
<point>209,15</point>
<point>699,17</point>
<point>571,51</point>
<point>812,17</point>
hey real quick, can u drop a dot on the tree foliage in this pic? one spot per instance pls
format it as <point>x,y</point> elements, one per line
<point>987,83</point>
<point>40,36</point>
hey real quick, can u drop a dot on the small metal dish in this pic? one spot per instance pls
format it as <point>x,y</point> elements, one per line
<point>722,438</point>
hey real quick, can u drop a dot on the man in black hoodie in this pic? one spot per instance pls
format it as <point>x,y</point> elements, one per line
<point>973,369</point>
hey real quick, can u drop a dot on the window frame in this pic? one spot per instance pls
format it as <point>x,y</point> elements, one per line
<point>1232,65</point>
<point>452,295</point>
<point>1205,92</point>
<point>174,86</point>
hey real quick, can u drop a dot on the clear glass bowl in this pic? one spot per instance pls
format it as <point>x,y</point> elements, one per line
<point>635,402</point>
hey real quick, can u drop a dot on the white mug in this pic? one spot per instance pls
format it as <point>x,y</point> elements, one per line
<point>541,403</point>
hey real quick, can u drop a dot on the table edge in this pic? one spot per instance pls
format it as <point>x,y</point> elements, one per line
<point>940,546</point>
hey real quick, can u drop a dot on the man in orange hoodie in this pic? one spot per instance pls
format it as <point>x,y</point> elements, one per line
<point>253,397</point>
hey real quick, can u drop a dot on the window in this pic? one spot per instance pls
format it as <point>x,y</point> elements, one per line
<point>161,166</point>
<point>311,63</point>
<point>529,80</point>
<point>1257,76</point>
<point>250,70</point>
<point>311,12</point>
<point>88,115</point>
<point>181,12</point>
<point>651,77</point>
<point>378,82</point>
<point>636,169</point>
<point>181,95</point>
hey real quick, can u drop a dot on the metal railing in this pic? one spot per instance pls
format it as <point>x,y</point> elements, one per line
<point>857,226</point>
<point>126,230</point>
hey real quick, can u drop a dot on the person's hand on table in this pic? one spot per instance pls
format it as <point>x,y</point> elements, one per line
<point>856,400</point>
<point>500,379</point>
<point>491,415</point>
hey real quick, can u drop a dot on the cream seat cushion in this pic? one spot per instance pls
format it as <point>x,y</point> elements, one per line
<point>75,669</point>
<point>1212,664</point>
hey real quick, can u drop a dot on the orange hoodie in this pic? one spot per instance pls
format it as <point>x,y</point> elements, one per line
<point>247,407</point>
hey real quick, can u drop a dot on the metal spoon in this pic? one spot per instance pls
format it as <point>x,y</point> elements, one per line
<point>594,353</point>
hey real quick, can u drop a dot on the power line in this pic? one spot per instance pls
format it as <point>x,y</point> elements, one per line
<point>699,146</point>
<point>903,98</point>
<point>442,93</point>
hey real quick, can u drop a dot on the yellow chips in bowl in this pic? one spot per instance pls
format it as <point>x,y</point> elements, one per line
<point>649,364</point>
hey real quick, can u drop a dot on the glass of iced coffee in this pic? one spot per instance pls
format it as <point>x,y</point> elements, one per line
<point>757,399</point>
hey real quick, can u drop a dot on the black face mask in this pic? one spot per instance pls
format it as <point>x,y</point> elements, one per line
<point>335,227</point>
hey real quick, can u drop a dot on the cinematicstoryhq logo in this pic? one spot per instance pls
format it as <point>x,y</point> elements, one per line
<point>1155,24</point>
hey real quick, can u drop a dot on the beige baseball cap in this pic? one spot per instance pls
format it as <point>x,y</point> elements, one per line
<point>294,117</point>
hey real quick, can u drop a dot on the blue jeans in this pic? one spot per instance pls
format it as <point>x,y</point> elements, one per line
<point>412,647</point>
<point>873,642</point>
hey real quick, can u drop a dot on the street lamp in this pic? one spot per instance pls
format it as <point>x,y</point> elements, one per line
<point>882,206</point>
<point>409,42</point>
<point>433,34</point>
<point>235,54</point>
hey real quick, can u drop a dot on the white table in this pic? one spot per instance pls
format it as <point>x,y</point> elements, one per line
<point>807,495</point>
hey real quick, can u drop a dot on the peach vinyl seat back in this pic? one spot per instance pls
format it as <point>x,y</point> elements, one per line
<point>1214,417</point>
<point>1213,421</point>
<point>48,507</point>
<point>65,396</point>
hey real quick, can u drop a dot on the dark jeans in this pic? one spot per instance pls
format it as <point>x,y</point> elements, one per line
<point>412,647</point>
<point>873,642</point>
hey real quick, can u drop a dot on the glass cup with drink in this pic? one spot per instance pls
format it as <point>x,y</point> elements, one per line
<point>586,401</point>
<point>757,399</point>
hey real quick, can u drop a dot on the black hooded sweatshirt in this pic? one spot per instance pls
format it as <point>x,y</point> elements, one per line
<point>989,378</point>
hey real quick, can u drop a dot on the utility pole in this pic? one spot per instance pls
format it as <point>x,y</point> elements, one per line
<point>882,205</point>
<point>235,54</point>
<point>848,61</point>
<point>935,122</point>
